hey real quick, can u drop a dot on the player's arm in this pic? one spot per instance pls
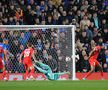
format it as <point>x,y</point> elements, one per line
<point>20,60</point>
<point>5,54</point>
<point>33,56</point>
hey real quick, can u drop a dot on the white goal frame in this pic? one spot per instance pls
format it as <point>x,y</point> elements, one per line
<point>28,27</point>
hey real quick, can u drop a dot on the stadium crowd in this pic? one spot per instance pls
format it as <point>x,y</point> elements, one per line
<point>89,16</point>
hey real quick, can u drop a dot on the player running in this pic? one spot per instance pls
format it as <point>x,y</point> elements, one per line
<point>3,59</point>
<point>46,70</point>
<point>28,54</point>
<point>93,61</point>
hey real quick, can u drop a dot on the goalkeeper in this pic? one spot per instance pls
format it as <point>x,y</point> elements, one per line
<point>46,70</point>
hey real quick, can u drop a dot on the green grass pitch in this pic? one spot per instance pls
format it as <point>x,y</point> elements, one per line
<point>54,85</point>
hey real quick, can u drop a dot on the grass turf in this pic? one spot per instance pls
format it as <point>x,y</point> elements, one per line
<point>54,85</point>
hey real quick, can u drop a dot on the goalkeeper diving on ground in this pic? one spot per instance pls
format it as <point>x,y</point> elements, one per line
<point>46,70</point>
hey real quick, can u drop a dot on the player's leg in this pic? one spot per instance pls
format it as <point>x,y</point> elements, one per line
<point>90,72</point>
<point>92,65</point>
<point>29,67</point>
<point>4,73</point>
<point>2,67</point>
<point>32,72</point>
<point>100,68</point>
<point>27,71</point>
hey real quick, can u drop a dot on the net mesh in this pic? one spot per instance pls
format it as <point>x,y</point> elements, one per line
<point>53,46</point>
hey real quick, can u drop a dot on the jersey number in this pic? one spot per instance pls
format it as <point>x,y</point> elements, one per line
<point>26,54</point>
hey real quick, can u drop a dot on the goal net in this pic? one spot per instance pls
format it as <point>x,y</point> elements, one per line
<point>54,45</point>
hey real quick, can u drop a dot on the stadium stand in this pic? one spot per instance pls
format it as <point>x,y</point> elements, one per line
<point>89,16</point>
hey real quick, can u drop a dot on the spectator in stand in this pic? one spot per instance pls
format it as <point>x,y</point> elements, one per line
<point>49,20</point>
<point>33,38</point>
<point>84,21</point>
<point>23,39</point>
<point>19,13</point>
<point>84,39</point>
<point>39,45</point>
<point>105,35</point>
<point>89,32</point>
<point>96,20</point>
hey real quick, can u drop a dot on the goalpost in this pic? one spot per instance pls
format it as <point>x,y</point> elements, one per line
<point>59,39</point>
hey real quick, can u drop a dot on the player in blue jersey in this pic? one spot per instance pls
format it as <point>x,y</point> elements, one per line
<point>46,70</point>
<point>3,56</point>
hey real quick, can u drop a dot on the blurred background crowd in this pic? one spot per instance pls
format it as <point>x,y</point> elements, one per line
<point>89,16</point>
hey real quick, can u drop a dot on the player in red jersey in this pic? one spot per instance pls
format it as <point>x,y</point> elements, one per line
<point>3,56</point>
<point>93,61</point>
<point>28,54</point>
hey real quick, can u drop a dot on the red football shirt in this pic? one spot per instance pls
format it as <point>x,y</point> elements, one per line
<point>96,52</point>
<point>28,54</point>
